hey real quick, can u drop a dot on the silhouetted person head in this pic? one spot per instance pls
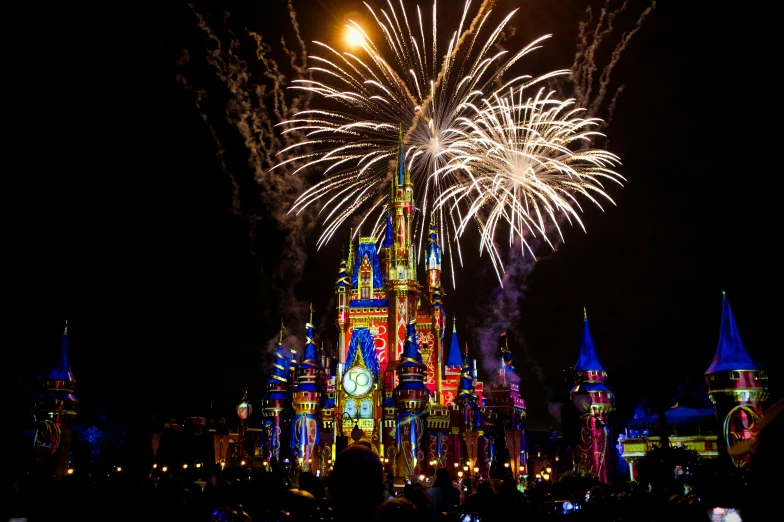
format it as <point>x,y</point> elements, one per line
<point>312,484</point>
<point>398,509</point>
<point>442,479</point>
<point>356,484</point>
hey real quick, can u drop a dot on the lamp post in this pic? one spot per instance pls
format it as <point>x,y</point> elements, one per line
<point>244,410</point>
<point>356,433</point>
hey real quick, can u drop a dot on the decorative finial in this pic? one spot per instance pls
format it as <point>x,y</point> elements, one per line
<point>454,322</point>
<point>280,340</point>
<point>311,312</point>
<point>723,294</point>
<point>585,313</point>
<point>466,350</point>
<point>66,327</point>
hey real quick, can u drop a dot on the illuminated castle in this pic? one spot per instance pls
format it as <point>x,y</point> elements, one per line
<point>55,410</point>
<point>391,384</point>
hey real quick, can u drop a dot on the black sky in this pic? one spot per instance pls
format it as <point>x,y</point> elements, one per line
<point>121,217</point>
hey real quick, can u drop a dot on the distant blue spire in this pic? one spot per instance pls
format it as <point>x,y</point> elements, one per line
<point>411,355</point>
<point>466,387</point>
<point>454,348</point>
<point>62,370</point>
<point>731,354</point>
<point>588,360</point>
<point>310,358</point>
<point>280,372</point>
<point>388,234</point>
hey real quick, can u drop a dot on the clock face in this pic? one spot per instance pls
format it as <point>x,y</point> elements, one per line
<point>357,381</point>
<point>366,409</point>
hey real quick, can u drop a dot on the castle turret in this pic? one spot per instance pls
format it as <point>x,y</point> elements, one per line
<point>55,410</point>
<point>737,386</point>
<point>433,263</point>
<point>276,401</point>
<point>307,400</point>
<point>411,399</point>
<point>595,401</point>
<point>342,288</point>
<point>454,360</point>
<point>401,286</point>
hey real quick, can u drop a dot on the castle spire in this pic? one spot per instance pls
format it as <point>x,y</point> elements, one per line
<point>454,347</point>
<point>588,360</point>
<point>62,369</point>
<point>465,389</point>
<point>731,353</point>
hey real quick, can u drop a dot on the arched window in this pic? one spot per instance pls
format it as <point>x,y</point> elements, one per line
<point>365,279</point>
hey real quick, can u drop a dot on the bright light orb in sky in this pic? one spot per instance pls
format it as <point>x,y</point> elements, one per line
<point>353,38</point>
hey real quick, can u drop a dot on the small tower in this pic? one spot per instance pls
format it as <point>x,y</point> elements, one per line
<point>737,386</point>
<point>55,410</point>
<point>307,400</point>
<point>342,287</point>
<point>402,288</point>
<point>595,401</point>
<point>433,263</point>
<point>276,401</point>
<point>411,399</point>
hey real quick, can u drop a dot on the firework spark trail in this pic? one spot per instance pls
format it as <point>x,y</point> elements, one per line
<point>590,39</point>
<point>251,110</point>
<point>519,169</point>
<point>374,95</point>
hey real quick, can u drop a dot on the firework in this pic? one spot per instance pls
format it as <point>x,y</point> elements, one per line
<point>524,162</point>
<point>399,83</point>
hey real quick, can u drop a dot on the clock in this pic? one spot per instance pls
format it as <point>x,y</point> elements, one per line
<point>357,381</point>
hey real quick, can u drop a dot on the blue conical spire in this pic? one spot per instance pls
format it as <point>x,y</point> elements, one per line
<point>62,370</point>
<point>280,372</point>
<point>454,347</point>
<point>343,279</point>
<point>310,358</point>
<point>731,354</point>
<point>588,360</point>
<point>411,355</point>
<point>466,387</point>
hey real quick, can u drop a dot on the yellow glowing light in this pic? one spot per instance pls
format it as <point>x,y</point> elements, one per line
<point>456,464</point>
<point>460,474</point>
<point>548,469</point>
<point>421,478</point>
<point>556,458</point>
<point>223,464</point>
<point>165,469</point>
<point>155,466</point>
<point>184,466</point>
<point>198,464</point>
<point>70,471</point>
<point>353,37</point>
<point>506,464</point>
<point>119,468</point>
<point>242,463</point>
<point>476,469</point>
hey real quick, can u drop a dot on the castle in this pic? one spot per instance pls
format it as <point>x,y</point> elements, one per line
<point>395,386</point>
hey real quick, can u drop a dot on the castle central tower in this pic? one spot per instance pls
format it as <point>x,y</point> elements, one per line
<point>402,287</point>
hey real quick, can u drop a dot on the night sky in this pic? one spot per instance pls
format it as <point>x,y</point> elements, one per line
<point>122,218</point>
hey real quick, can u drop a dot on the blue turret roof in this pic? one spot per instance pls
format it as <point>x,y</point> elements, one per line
<point>368,249</point>
<point>310,358</point>
<point>411,355</point>
<point>62,369</point>
<point>362,340</point>
<point>731,353</point>
<point>466,387</point>
<point>588,360</point>
<point>454,348</point>
<point>342,279</point>
<point>388,234</point>
<point>280,371</point>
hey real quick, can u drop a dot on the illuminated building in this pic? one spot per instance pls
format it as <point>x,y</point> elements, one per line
<point>738,388</point>
<point>595,401</point>
<point>55,410</point>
